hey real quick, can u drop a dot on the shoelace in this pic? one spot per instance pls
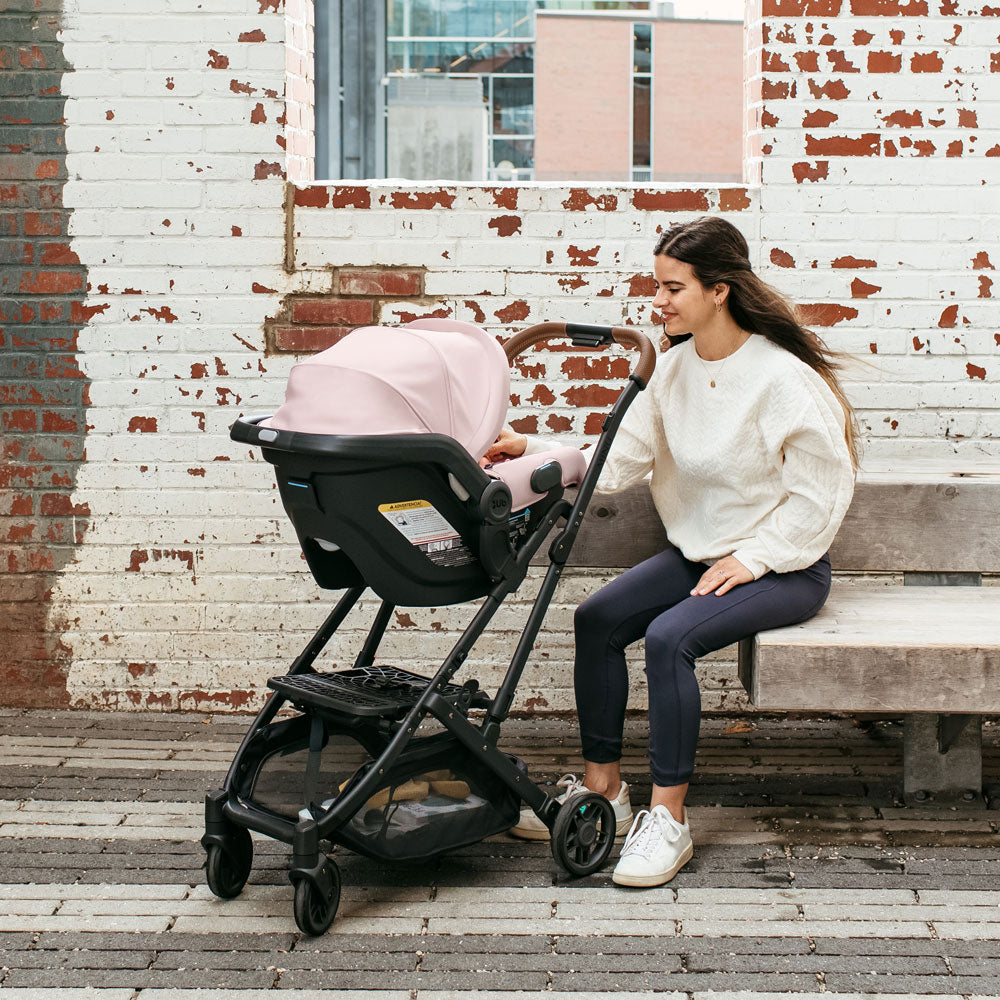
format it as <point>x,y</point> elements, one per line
<point>639,838</point>
<point>571,784</point>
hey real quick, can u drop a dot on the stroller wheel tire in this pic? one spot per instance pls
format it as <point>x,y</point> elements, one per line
<point>315,910</point>
<point>583,833</point>
<point>228,868</point>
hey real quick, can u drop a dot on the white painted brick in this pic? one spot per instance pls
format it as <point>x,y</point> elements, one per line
<point>933,217</point>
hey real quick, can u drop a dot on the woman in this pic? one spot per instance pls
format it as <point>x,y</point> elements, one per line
<point>751,445</point>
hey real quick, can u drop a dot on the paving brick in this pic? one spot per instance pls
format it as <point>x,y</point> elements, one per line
<point>688,981</point>
<point>839,982</point>
<point>814,963</point>
<point>625,945</point>
<point>489,943</point>
<point>901,946</point>
<point>459,981</point>
<point>76,959</point>
<point>139,979</point>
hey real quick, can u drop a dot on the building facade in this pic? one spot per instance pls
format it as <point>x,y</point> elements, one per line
<point>619,97</point>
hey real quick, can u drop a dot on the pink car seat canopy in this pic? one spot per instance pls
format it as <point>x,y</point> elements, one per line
<point>430,376</point>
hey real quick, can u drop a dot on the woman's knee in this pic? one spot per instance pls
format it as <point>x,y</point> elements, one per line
<point>667,647</point>
<point>596,615</point>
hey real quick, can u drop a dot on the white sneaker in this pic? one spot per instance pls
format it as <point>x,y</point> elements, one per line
<point>655,850</point>
<point>530,827</point>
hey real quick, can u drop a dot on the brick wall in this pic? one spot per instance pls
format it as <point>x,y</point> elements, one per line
<point>43,391</point>
<point>879,154</point>
<point>149,556</point>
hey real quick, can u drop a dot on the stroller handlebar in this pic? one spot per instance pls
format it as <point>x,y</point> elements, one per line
<point>589,335</point>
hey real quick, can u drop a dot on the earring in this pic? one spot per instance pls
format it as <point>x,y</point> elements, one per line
<point>718,306</point>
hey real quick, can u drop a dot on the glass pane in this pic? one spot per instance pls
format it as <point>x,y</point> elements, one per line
<point>640,122</point>
<point>642,46</point>
<point>520,153</point>
<point>513,105</point>
<point>598,5</point>
<point>394,16</point>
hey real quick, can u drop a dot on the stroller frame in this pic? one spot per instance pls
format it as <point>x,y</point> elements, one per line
<point>583,831</point>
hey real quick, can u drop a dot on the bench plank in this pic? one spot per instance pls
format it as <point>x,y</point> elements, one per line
<point>912,522</point>
<point>898,521</point>
<point>894,649</point>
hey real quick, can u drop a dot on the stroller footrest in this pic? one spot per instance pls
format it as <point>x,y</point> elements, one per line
<point>376,691</point>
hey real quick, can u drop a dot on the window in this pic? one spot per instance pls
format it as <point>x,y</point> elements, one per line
<point>642,102</point>
<point>462,89</point>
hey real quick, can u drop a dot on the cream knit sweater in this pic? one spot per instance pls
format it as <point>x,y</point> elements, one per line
<point>756,467</point>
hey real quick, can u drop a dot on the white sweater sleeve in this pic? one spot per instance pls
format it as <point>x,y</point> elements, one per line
<point>631,455</point>
<point>818,481</point>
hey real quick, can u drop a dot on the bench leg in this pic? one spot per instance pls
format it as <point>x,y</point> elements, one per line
<point>943,759</point>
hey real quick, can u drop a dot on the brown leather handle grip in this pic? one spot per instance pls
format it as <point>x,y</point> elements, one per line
<point>624,335</point>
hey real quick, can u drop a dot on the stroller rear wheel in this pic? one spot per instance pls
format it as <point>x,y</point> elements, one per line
<point>228,866</point>
<point>583,833</point>
<point>315,909</point>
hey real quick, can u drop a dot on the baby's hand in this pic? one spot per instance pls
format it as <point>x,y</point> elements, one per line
<point>509,444</point>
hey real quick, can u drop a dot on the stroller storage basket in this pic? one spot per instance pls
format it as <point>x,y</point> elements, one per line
<point>429,804</point>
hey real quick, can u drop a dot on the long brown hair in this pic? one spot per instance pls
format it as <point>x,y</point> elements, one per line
<point>718,254</point>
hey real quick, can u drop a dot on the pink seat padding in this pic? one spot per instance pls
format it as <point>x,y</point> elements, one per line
<point>516,472</point>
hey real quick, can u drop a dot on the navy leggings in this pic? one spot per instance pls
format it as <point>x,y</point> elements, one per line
<point>653,600</point>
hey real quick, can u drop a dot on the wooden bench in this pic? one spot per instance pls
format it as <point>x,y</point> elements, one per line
<point>913,632</point>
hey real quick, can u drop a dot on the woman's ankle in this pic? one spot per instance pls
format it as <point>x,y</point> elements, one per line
<point>670,797</point>
<point>605,779</point>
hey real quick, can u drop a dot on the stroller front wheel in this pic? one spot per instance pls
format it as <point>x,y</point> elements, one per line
<point>583,833</point>
<point>315,909</point>
<point>228,867</point>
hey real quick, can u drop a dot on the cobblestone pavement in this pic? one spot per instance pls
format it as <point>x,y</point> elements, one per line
<point>809,878</point>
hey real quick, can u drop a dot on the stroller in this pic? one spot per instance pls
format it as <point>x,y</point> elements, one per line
<point>376,454</point>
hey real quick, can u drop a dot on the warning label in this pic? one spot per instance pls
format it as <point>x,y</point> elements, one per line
<point>423,525</point>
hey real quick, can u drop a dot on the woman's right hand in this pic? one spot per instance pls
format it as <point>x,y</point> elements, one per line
<point>509,444</point>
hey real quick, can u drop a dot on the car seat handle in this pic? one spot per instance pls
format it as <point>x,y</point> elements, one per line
<point>588,335</point>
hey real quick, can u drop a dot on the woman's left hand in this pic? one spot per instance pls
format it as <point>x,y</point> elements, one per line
<point>722,577</point>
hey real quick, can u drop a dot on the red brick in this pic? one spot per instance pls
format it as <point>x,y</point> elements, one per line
<point>591,395</point>
<point>308,339</point>
<point>380,282</point>
<point>733,200</point>
<point>20,420</point>
<point>926,62</point>
<point>809,172</point>
<point>51,283</point>
<point>826,313</point>
<point>868,144</point>
<point>861,289</point>
<point>832,90</point>
<point>889,8</point>
<point>515,311</point>
<point>580,198</point>
<point>333,311</point>
<point>852,262</point>
<point>312,197</point>
<point>818,119</point>
<point>37,224</point>
<point>525,425</point>
<point>577,366</point>
<point>442,198</point>
<point>670,201</point>
<point>801,8</point>
<point>949,317</point>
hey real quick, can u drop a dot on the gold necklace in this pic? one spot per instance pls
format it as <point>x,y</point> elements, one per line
<point>705,364</point>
